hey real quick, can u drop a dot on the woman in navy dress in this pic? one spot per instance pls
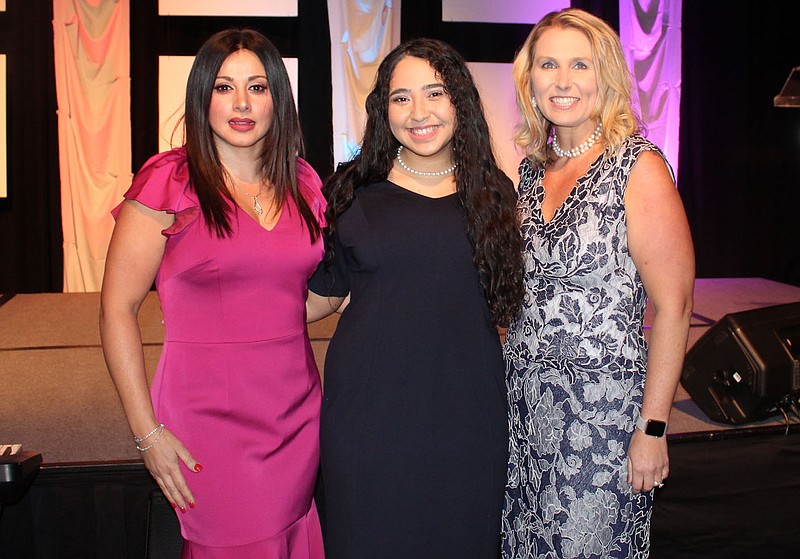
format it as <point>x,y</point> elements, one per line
<point>425,242</point>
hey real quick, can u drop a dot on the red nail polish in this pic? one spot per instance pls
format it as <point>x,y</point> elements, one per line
<point>173,505</point>
<point>198,468</point>
<point>183,509</point>
<point>191,505</point>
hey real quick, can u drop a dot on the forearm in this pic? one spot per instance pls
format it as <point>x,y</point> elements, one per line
<point>318,307</point>
<point>122,349</point>
<point>668,338</point>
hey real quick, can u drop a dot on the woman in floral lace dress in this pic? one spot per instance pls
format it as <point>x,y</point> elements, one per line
<point>604,230</point>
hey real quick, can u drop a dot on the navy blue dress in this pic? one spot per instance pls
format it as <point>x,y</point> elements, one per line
<point>414,435</point>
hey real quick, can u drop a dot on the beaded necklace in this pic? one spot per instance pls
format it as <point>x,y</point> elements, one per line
<point>579,150</point>
<point>424,173</point>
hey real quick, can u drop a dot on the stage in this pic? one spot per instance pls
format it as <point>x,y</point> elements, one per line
<point>732,491</point>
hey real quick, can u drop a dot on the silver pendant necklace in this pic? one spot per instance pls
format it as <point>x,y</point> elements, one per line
<point>256,205</point>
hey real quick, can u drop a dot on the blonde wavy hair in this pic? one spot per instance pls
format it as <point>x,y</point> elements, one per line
<point>613,107</point>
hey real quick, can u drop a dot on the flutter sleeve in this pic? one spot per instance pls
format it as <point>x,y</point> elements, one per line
<point>332,278</point>
<point>162,184</point>
<point>311,187</point>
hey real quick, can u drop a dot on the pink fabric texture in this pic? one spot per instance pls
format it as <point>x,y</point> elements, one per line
<point>301,540</point>
<point>237,382</point>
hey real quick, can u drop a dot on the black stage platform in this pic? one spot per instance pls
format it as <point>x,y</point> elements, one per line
<point>733,491</point>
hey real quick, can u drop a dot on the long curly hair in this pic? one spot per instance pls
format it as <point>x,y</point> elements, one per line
<point>614,108</point>
<point>486,193</point>
<point>284,142</point>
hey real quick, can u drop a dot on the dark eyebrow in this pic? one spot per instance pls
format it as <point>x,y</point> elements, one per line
<point>424,88</point>
<point>250,78</point>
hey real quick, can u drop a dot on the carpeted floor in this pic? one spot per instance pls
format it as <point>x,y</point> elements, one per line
<point>56,394</point>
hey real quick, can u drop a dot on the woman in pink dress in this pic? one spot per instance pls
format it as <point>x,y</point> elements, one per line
<point>228,228</point>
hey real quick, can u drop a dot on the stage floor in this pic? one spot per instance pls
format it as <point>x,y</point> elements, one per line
<point>728,495</point>
<point>58,398</point>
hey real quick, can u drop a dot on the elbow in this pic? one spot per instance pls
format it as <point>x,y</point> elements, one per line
<point>112,312</point>
<point>105,319</point>
<point>678,309</point>
<point>688,307</point>
<point>685,305</point>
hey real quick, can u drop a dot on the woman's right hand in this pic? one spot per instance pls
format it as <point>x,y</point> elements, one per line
<point>163,462</point>
<point>318,306</point>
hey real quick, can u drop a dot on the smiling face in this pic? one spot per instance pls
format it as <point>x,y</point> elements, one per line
<point>421,116</point>
<point>240,113</point>
<point>564,80</point>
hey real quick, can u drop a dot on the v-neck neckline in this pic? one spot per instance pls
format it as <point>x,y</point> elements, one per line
<point>256,222</point>
<point>573,191</point>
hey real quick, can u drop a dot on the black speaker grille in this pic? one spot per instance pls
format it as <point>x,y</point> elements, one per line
<point>164,539</point>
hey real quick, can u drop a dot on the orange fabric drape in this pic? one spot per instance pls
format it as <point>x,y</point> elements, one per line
<point>92,67</point>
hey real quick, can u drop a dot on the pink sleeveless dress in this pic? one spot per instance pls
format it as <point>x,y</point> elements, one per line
<point>237,382</point>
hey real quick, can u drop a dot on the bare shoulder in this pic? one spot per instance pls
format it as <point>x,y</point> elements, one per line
<point>651,166</point>
<point>651,179</point>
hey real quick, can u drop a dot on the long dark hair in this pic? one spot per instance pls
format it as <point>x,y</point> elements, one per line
<point>283,144</point>
<point>486,193</point>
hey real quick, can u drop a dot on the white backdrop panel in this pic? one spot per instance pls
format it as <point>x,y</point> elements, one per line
<point>496,87</point>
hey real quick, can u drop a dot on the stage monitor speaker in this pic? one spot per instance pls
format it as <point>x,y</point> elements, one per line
<point>745,364</point>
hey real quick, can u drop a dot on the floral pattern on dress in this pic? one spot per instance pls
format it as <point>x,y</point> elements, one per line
<point>575,371</point>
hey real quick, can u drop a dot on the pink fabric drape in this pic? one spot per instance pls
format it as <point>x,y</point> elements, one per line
<point>92,70</point>
<point>650,31</point>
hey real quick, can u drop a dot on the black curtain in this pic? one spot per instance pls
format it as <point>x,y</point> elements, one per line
<point>739,169</point>
<point>30,217</point>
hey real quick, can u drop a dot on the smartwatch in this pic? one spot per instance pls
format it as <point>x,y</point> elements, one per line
<point>652,427</point>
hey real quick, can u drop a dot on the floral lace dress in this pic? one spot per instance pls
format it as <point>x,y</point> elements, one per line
<point>576,361</point>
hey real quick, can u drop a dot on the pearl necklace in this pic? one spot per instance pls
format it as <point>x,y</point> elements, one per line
<point>581,149</point>
<point>424,173</point>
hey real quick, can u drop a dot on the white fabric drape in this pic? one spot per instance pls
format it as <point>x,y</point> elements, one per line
<point>362,34</point>
<point>92,68</point>
<point>650,31</point>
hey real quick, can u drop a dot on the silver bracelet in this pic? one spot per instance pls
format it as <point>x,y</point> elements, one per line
<point>137,440</point>
<point>148,447</point>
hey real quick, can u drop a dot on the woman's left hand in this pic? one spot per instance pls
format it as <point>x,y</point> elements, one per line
<point>648,462</point>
